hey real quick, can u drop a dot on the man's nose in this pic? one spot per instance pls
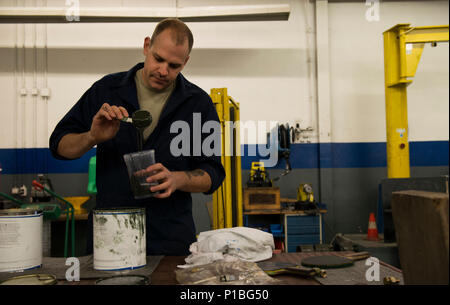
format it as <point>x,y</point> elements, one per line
<point>164,69</point>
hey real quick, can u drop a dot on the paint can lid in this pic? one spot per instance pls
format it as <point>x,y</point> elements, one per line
<point>123,210</point>
<point>124,280</point>
<point>141,119</point>
<point>19,212</point>
<point>31,279</point>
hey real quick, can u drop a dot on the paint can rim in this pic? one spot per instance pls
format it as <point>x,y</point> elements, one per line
<point>20,212</point>
<point>47,279</point>
<point>112,280</point>
<point>119,210</point>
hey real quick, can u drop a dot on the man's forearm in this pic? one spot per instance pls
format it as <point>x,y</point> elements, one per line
<point>74,145</point>
<point>196,181</point>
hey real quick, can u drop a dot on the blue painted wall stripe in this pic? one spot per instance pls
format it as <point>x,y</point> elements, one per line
<point>429,153</point>
<point>303,156</point>
<point>40,160</point>
<point>357,155</point>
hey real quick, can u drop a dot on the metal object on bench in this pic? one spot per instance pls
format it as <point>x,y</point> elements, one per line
<point>124,280</point>
<point>323,247</point>
<point>342,243</point>
<point>334,261</point>
<point>391,280</point>
<point>277,268</point>
<point>305,248</point>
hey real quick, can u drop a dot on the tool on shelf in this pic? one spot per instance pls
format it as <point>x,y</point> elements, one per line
<point>259,177</point>
<point>305,192</point>
<point>6,196</point>
<point>38,195</point>
<point>305,198</point>
<point>50,211</point>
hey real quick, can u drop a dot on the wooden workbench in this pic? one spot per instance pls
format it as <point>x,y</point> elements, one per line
<point>164,274</point>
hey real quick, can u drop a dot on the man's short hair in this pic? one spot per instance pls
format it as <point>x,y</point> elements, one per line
<point>179,28</point>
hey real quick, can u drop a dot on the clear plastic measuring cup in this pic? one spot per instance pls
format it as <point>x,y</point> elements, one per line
<point>136,163</point>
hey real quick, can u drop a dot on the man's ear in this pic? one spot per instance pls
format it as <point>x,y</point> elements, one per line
<point>185,62</point>
<point>147,43</point>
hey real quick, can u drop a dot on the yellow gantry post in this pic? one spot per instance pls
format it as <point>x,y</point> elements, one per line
<point>227,158</point>
<point>403,47</point>
<point>237,163</point>
<point>223,198</point>
<point>219,194</point>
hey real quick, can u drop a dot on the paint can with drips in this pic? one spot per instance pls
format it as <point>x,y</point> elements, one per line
<point>119,238</point>
<point>20,239</point>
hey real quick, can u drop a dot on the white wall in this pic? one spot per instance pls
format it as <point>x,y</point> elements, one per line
<point>264,65</point>
<point>357,72</point>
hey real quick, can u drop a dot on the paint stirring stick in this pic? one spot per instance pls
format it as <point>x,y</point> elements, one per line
<point>127,120</point>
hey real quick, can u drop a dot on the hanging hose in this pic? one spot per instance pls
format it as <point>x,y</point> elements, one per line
<point>284,149</point>
<point>69,211</point>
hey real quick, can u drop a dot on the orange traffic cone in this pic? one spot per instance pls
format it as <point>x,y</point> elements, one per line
<point>372,232</point>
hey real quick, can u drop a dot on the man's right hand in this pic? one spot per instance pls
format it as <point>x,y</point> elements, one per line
<point>106,123</point>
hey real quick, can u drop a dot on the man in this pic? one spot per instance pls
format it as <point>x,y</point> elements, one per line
<point>158,87</point>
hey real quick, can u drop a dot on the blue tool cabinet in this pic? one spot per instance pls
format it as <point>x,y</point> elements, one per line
<point>295,228</point>
<point>302,230</point>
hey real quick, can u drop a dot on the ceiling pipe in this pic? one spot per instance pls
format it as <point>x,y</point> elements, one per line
<point>270,12</point>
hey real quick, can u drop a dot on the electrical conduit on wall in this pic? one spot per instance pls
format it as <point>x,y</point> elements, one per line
<point>30,114</point>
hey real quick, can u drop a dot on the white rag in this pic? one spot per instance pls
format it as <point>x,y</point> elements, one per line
<point>230,244</point>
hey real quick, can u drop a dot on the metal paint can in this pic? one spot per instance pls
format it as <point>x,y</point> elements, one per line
<point>119,239</point>
<point>31,279</point>
<point>20,239</point>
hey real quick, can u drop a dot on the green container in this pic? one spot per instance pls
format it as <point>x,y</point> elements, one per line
<point>92,186</point>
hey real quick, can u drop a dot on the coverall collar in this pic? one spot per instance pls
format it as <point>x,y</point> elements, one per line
<point>127,91</point>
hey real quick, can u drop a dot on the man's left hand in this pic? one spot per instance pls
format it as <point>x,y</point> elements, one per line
<point>194,181</point>
<point>167,180</point>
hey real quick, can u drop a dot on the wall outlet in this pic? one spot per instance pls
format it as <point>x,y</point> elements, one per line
<point>45,92</point>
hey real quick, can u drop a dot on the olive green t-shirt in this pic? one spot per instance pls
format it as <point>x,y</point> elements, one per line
<point>151,100</point>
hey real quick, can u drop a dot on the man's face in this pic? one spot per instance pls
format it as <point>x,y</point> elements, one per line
<point>164,59</point>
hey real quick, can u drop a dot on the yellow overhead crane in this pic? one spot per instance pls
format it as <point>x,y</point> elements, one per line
<point>403,46</point>
<point>227,199</point>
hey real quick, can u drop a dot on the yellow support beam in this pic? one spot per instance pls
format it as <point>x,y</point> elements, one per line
<point>237,164</point>
<point>413,54</point>
<point>403,47</point>
<point>396,105</point>
<point>227,159</point>
<point>223,198</point>
<point>424,34</point>
<point>219,194</point>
